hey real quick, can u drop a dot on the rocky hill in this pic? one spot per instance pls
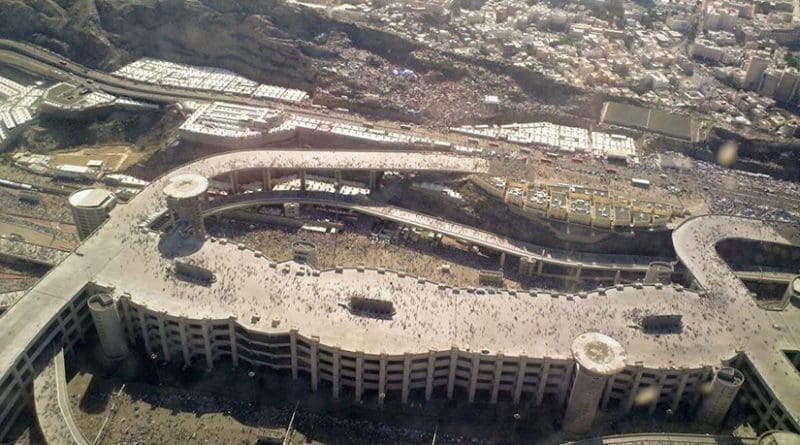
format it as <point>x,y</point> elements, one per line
<point>276,42</point>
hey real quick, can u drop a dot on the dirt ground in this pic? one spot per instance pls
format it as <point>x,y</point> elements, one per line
<point>226,406</point>
<point>115,157</point>
<point>17,276</point>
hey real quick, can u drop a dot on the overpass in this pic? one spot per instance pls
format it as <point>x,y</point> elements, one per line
<point>664,439</point>
<point>439,326</point>
<point>773,381</point>
<point>463,233</point>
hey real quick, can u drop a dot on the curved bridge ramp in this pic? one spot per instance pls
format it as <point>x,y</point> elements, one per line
<point>663,439</point>
<point>454,230</point>
<point>52,404</point>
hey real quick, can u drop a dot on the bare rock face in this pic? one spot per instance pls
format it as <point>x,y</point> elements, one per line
<point>233,35</point>
<point>260,40</point>
<point>71,28</point>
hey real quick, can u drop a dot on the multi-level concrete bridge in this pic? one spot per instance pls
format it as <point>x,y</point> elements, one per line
<point>482,344</point>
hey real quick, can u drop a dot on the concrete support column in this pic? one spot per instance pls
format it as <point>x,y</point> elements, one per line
<point>542,381</point>
<point>451,376</point>
<point>657,390</point>
<point>676,400</point>
<point>522,366</point>
<point>592,372</point>
<point>337,369</point>
<point>539,267</point>
<point>578,273</point>
<point>187,359</point>
<point>406,378</point>
<point>382,378</point>
<point>126,315</point>
<point>314,357</point>
<point>266,180</point>
<point>234,179</point>
<point>359,375</point>
<point>162,332</point>
<point>64,335</point>
<point>766,420</point>
<point>637,377</point>
<point>473,376</point>
<point>293,351</point>
<point>564,390</point>
<point>81,330</point>
<point>707,374</point>
<point>498,371</point>
<point>617,277</point>
<point>302,180</point>
<point>207,344</point>
<point>233,340</point>
<point>502,259</point>
<point>145,333</point>
<point>429,376</point>
<point>338,179</point>
<point>373,180</point>
<point>607,392</point>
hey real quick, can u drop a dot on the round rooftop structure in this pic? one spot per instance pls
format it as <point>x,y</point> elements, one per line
<point>186,186</point>
<point>90,208</point>
<point>793,291</point>
<point>599,353</point>
<point>90,198</point>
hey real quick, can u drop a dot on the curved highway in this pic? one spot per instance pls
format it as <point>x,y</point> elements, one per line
<point>453,230</point>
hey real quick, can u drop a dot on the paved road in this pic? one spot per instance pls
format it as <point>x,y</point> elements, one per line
<point>664,439</point>
<point>53,410</point>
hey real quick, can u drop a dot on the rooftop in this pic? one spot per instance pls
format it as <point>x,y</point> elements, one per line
<point>89,198</point>
<point>185,186</point>
<point>599,353</point>
<point>717,323</point>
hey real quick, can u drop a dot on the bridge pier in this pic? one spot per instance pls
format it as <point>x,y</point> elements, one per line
<point>338,179</point>
<point>267,180</point>
<point>302,180</point>
<point>234,180</point>
<point>502,259</point>
<point>359,375</point>
<point>373,180</point>
<point>314,356</point>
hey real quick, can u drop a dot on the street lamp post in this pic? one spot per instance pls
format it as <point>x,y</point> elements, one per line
<point>514,429</point>
<point>252,376</point>
<point>154,359</point>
